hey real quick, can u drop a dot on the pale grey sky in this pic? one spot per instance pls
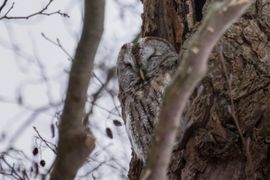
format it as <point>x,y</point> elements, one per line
<point>23,69</point>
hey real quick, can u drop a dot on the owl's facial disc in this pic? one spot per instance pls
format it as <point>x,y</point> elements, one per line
<point>148,51</point>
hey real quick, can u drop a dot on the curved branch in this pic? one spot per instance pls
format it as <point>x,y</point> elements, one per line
<point>75,143</point>
<point>193,68</point>
<point>3,5</point>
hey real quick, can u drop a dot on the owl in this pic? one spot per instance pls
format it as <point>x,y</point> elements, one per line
<point>144,70</point>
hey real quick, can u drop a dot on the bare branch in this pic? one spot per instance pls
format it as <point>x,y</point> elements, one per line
<point>14,163</point>
<point>75,143</point>
<point>97,94</point>
<point>3,5</point>
<point>233,114</point>
<point>193,68</point>
<point>40,12</point>
<point>58,44</point>
<point>48,144</point>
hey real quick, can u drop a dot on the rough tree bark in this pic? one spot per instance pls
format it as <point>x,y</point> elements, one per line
<point>75,142</point>
<point>231,106</point>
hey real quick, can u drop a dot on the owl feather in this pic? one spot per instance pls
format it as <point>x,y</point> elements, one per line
<point>144,71</point>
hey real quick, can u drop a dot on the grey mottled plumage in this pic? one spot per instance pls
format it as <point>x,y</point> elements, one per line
<point>144,70</point>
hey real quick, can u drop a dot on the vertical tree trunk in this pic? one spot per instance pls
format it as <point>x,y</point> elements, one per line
<point>231,107</point>
<point>75,141</point>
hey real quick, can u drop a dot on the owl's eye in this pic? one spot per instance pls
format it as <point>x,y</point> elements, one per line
<point>153,56</point>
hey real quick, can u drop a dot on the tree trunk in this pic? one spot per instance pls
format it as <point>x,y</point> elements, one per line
<point>231,107</point>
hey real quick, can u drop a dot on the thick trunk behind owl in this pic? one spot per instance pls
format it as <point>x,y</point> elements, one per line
<point>236,89</point>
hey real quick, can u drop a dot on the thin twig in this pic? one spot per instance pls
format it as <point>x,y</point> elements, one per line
<point>232,107</point>
<point>40,12</point>
<point>233,113</point>
<point>97,94</point>
<point>3,5</point>
<point>45,141</point>
<point>58,44</point>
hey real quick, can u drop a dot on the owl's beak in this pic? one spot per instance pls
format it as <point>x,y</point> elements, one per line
<point>142,74</point>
